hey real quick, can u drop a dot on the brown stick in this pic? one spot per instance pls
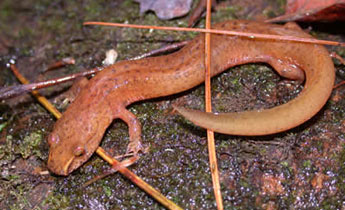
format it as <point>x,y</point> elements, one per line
<point>164,49</point>
<point>215,31</point>
<point>61,63</point>
<point>210,135</point>
<point>339,84</point>
<point>13,91</point>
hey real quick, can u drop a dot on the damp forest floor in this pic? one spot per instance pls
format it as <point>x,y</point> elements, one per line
<point>303,168</point>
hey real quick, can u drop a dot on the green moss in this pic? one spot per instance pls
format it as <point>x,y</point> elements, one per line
<point>93,8</point>
<point>282,4</point>
<point>3,125</point>
<point>341,176</point>
<point>129,4</point>
<point>54,24</point>
<point>30,145</point>
<point>107,190</point>
<point>6,154</point>
<point>6,11</point>
<point>307,164</point>
<point>57,201</point>
<point>25,32</point>
<point>222,14</point>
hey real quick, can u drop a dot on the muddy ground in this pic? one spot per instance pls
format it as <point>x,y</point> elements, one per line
<point>303,168</point>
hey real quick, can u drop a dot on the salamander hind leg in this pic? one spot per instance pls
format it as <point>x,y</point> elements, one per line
<point>134,128</point>
<point>287,69</point>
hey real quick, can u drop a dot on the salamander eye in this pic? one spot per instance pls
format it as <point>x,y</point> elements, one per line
<point>79,151</point>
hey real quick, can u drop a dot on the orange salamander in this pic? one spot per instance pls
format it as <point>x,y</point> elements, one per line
<point>105,97</point>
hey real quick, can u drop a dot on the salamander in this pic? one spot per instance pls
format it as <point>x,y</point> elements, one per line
<point>77,134</point>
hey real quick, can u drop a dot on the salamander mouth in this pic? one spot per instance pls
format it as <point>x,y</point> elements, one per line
<point>57,167</point>
<point>66,169</point>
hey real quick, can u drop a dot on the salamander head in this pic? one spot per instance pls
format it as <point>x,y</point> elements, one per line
<point>73,140</point>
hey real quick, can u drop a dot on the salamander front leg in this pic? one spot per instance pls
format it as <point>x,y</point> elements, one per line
<point>134,128</point>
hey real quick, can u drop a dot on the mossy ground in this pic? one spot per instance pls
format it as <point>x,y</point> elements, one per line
<point>300,169</point>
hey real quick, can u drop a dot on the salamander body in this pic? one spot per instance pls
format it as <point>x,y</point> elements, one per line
<point>105,97</point>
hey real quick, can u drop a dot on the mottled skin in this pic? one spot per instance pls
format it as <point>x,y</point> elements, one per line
<point>78,133</point>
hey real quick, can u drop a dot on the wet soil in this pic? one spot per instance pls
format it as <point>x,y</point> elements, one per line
<point>303,168</point>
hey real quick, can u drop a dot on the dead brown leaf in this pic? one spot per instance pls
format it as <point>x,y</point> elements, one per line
<point>313,10</point>
<point>166,9</point>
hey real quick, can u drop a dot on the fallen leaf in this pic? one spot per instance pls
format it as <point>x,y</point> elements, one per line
<point>313,10</point>
<point>166,9</point>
